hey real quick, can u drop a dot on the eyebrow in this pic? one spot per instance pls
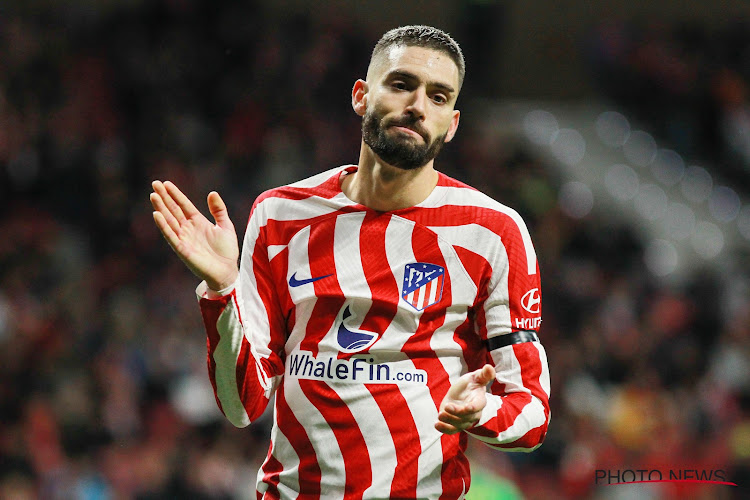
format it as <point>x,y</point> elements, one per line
<point>411,76</point>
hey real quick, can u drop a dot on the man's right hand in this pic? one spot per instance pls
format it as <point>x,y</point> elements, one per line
<point>209,250</point>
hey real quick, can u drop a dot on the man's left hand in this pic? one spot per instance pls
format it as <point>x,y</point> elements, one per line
<point>463,404</point>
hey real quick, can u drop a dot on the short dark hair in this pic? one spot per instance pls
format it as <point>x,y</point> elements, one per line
<point>423,36</point>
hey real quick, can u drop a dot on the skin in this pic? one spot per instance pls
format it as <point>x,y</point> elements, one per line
<point>404,84</point>
<point>404,81</point>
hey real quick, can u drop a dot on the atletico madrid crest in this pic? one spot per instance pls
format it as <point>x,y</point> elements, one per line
<point>423,284</point>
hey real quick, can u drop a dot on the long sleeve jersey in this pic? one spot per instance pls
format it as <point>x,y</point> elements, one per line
<point>358,321</point>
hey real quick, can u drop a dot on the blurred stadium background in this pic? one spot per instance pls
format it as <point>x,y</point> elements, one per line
<point>620,130</point>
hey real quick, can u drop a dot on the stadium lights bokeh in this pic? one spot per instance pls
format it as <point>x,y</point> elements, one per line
<point>656,181</point>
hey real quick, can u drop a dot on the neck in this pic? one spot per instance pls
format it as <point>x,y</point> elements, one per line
<point>384,188</point>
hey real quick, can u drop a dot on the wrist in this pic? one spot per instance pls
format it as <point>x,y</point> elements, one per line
<point>221,286</point>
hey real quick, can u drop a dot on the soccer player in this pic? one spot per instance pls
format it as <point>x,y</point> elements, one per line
<point>391,309</point>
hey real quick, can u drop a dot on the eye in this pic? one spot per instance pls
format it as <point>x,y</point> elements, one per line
<point>399,85</point>
<point>439,98</point>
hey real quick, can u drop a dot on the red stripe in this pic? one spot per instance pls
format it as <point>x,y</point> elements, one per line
<point>383,286</point>
<point>210,312</point>
<point>514,403</point>
<point>405,436</point>
<point>480,271</point>
<point>273,365</point>
<point>327,189</point>
<point>272,468</point>
<point>280,269</point>
<point>439,286</point>
<point>393,406</point>
<point>249,388</point>
<point>455,465</point>
<point>351,442</point>
<point>309,469</point>
<point>327,307</point>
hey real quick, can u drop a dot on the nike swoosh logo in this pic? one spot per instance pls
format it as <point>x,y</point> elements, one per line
<point>294,282</point>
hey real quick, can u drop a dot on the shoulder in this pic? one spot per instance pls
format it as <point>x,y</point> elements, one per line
<point>477,207</point>
<point>324,185</point>
<point>485,226</point>
<point>304,200</point>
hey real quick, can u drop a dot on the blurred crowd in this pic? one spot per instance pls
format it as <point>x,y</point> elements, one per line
<point>103,385</point>
<point>690,81</point>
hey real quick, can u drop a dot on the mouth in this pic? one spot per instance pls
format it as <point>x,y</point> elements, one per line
<point>408,131</point>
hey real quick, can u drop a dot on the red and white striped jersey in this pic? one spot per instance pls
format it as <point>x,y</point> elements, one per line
<point>359,321</point>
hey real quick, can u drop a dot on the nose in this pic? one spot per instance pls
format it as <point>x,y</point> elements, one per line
<point>418,102</point>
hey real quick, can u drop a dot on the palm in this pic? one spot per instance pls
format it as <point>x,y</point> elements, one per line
<point>209,250</point>
<point>463,403</point>
<point>468,392</point>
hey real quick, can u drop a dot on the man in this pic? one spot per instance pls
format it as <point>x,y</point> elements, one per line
<point>377,301</point>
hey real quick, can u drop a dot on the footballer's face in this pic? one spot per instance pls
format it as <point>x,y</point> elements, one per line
<point>408,105</point>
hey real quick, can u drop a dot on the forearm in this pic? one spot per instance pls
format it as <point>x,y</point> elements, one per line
<point>239,376</point>
<point>517,412</point>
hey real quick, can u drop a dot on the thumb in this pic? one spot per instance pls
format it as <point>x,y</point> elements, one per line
<point>218,210</point>
<point>484,375</point>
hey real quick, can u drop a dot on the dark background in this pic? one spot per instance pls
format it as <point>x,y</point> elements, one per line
<point>103,386</point>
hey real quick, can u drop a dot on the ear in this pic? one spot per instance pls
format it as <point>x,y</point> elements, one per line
<point>453,126</point>
<point>359,97</point>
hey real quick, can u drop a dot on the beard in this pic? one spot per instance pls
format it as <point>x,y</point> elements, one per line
<point>401,152</point>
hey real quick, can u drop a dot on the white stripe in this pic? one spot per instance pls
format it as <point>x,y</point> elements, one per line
<point>398,250</point>
<point>274,250</point>
<point>463,292</point>
<point>508,369</point>
<point>434,290</point>
<point>544,376</point>
<point>349,273</point>
<point>318,179</point>
<point>251,307</point>
<point>323,440</point>
<point>298,262</point>
<point>472,198</point>
<point>225,356</point>
<point>474,237</point>
<point>380,448</point>
<point>348,258</point>
<point>283,210</point>
<point>283,451</point>
<point>420,300</point>
<point>531,417</point>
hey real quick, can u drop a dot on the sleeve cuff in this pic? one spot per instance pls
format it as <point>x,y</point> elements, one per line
<point>203,292</point>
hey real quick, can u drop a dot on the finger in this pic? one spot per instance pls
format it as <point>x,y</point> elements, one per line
<point>166,230</point>
<point>485,375</point>
<point>218,210</point>
<point>449,419</point>
<point>460,411</point>
<point>169,202</point>
<point>158,203</point>
<point>185,204</point>
<point>445,428</point>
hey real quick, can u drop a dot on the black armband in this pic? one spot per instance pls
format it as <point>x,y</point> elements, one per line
<point>518,337</point>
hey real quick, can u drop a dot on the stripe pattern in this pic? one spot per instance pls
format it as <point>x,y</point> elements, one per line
<point>433,285</point>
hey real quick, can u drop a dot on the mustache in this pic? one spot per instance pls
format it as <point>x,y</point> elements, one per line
<point>411,122</point>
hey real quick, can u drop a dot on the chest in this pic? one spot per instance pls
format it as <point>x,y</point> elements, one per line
<point>365,273</point>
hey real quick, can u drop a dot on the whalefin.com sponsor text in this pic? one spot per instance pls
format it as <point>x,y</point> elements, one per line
<point>357,369</point>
